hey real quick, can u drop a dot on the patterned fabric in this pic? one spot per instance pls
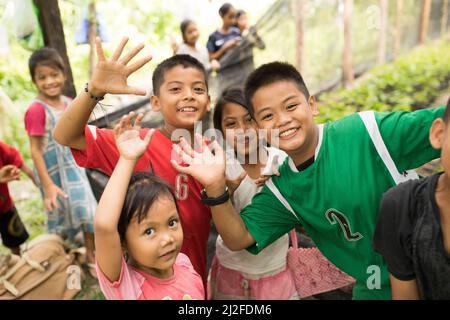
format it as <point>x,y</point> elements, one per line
<point>313,273</point>
<point>77,211</point>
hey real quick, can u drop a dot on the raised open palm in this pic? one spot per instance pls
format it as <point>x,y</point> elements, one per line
<point>206,165</point>
<point>110,75</point>
<point>128,141</point>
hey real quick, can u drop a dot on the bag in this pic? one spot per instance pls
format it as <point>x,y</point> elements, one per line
<point>26,25</point>
<point>312,272</point>
<point>44,271</point>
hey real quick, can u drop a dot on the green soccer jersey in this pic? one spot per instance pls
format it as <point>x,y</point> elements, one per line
<point>337,198</point>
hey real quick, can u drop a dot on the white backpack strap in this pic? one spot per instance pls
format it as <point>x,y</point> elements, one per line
<point>368,118</point>
<point>277,193</point>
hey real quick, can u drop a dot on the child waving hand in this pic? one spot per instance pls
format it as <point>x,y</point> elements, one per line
<point>138,234</point>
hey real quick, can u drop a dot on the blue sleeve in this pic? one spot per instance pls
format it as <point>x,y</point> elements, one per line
<point>210,45</point>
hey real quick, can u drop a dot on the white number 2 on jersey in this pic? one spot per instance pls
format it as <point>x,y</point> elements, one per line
<point>181,186</point>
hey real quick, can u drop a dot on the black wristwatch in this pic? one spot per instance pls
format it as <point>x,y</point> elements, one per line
<point>215,201</point>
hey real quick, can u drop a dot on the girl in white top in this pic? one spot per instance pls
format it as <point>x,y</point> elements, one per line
<point>192,47</point>
<point>240,274</point>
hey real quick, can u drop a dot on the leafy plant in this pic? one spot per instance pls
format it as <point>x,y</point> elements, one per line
<point>412,82</point>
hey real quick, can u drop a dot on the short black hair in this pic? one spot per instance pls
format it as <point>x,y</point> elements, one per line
<point>239,13</point>
<point>183,26</point>
<point>184,60</point>
<point>270,73</point>
<point>229,95</point>
<point>143,190</point>
<point>447,112</point>
<point>225,8</point>
<point>45,56</point>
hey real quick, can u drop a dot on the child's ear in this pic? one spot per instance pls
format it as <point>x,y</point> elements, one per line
<point>437,133</point>
<point>313,105</point>
<point>154,101</point>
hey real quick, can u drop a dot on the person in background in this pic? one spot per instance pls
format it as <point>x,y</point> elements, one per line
<point>247,31</point>
<point>192,46</point>
<point>68,198</point>
<point>227,37</point>
<point>12,230</point>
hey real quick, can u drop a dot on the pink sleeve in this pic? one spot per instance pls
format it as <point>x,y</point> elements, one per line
<point>35,120</point>
<point>184,260</point>
<point>101,151</point>
<point>128,287</point>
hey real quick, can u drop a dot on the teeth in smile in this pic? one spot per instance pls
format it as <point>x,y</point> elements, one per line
<point>188,109</point>
<point>287,132</point>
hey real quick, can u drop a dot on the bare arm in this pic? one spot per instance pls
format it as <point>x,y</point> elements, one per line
<point>209,169</point>
<point>230,44</point>
<point>27,170</point>
<point>51,191</point>
<point>404,290</point>
<point>109,76</point>
<point>107,241</point>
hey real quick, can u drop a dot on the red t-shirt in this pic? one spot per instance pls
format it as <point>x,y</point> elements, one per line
<point>101,152</point>
<point>8,155</point>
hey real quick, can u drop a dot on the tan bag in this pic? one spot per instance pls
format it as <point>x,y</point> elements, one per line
<point>45,271</point>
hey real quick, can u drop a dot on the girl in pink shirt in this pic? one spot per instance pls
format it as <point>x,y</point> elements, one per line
<point>138,235</point>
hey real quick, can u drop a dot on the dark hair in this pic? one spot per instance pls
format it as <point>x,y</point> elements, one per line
<point>229,95</point>
<point>447,112</point>
<point>270,73</point>
<point>224,9</point>
<point>183,26</point>
<point>144,189</point>
<point>240,13</point>
<point>184,60</point>
<point>45,56</point>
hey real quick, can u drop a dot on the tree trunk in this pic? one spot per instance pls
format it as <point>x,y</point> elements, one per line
<point>398,28</point>
<point>383,32</point>
<point>53,34</point>
<point>444,19</point>
<point>299,16</point>
<point>92,35</point>
<point>425,21</point>
<point>347,66</point>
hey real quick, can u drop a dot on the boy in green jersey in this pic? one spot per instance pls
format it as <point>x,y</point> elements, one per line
<point>332,182</point>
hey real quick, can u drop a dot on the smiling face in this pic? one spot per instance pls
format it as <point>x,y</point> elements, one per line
<point>283,110</point>
<point>191,34</point>
<point>183,98</point>
<point>239,128</point>
<point>154,243</point>
<point>49,81</point>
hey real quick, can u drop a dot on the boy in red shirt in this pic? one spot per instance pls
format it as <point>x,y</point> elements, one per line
<point>12,230</point>
<point>181,95</point>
